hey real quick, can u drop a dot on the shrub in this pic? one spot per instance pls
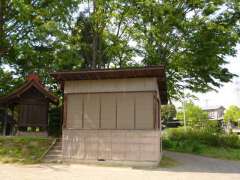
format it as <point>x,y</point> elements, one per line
<point>195,138</point>
<point>55,124</point>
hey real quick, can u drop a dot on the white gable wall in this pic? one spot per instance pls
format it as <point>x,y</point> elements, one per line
<point>111,85</point>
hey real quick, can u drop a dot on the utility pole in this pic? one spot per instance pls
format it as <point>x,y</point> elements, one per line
<point>184,114</point>
<point>184,110</point>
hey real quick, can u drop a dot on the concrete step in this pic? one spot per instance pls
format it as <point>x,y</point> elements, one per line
<point>57,146</point>
<point>55,154</point>
<point>53,161</point>
<point>53,158</point>
<point>56,150</point>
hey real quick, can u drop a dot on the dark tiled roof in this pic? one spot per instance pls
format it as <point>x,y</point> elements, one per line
<point>33,81</point>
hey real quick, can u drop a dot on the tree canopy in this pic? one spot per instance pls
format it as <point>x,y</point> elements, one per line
<point>232,114</point>
<point>194,115</point>
<point>168,112</point>
<point>191,38</point>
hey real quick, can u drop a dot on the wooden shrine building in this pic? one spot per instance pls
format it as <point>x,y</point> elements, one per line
<point>113,115</point>
<point>25,111</point>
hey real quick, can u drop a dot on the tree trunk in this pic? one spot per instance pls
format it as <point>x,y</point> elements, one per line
<point>3,45</point>
<point>1,23</point>
<point>5,122</point>
<point>94,44</point>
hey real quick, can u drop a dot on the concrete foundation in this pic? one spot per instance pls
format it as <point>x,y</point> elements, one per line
<point>112,146</point>
<point>37,134</point>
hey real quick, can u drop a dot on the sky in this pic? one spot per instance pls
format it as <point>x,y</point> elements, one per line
<point>229,93</point>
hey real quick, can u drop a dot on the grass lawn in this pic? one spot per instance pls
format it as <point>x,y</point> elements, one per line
<point>200,143</point>
<point>23,149</point>
<point>210,151</point>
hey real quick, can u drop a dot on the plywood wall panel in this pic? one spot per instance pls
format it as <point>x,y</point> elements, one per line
<point>74,111</point>
<point>144,111</point>
<point>108,111</point>
<point>133,110</point>
<point>125,111</point>
<point>91,111</point>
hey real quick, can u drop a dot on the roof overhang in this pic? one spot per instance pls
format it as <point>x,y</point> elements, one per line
<point>8,99</point>
<point>123,73</point>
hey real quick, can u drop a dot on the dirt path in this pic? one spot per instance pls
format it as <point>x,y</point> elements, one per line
<point>194,163</point>
<point>190,167</point>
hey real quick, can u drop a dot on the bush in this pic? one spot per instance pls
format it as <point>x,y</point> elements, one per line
<point>55,124</point>
<point>177,137</point>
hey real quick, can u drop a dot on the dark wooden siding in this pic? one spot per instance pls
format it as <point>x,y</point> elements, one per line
<point>33,109</point>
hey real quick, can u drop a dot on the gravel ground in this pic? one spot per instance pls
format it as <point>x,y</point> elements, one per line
<point>190,167</point>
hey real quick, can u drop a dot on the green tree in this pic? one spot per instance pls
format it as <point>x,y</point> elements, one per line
<point>7,82</point>
<point>232,114</point>
<point>102,34</point>
<point>34,33</point>
<point>195,116</point>
<point>168,112</point>
<point>191,38</point>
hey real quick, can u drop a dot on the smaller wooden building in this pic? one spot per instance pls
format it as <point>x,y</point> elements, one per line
<point>113,114</point>
<point>25,111</point>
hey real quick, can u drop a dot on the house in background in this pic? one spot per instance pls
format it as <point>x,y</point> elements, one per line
<point>113,114</point>
<point>215,113</point>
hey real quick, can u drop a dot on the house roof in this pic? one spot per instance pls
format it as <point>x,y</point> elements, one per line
<point>121,73</point>
<point>211,108</point>
<point>32,81</point>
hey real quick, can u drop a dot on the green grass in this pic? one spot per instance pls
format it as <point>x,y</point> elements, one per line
<point>202,143</point>
<point>23,149</point>
<point>167,162</point>
<point>222,153</point>
<point>209,151</point>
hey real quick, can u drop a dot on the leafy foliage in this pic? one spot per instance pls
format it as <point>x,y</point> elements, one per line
<point>35,33</point>
<point>204,136</point>
<point>232,114</point>
<point>203,142</point>
<point>7,82</point>
<point>195,116</point>
<point>191,38</point>
<point>168,112</point>
<point>55,124</point>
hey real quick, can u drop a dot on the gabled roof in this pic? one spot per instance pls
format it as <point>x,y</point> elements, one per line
<point>210,108</point>
<point>32,81</point>
<point>122,73</point>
